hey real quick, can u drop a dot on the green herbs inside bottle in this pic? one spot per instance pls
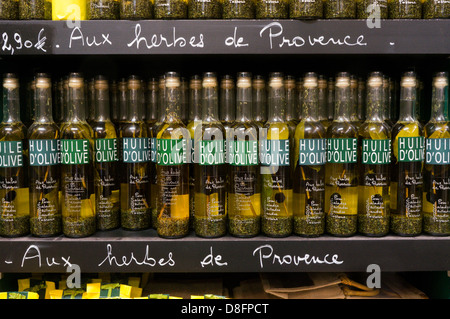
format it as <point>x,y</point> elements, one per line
<point>209,165</point>
<point>276,175</point>
<point>15,211</point>
<point>341,170</point>
<point>374,142</point>
<point>436,193</point>
<point>272,9</point>
<point>44,159</point>
<point>238,9</point>
<point>171,9</point>
<point>407,163</point>
<point>310,158</point>
<point>173,142</point>
<point>106,158</point>
<point>77,175</point>
<point>135,158</point>
<point>244,192</point>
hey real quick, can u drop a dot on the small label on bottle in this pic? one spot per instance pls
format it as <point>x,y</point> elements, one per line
<point>11,154</point>
<point>376,152</point>
<point>411,149</point>
<point>342,150</point>
<point>171,151</point>
<point>135,149</point>
<point>274,152</point>
<point>74,152</point>
<point>106,150</point>
<point>437,151</point>
<point>243,153</point>
<point>212,152</point>
<point>312,151</point>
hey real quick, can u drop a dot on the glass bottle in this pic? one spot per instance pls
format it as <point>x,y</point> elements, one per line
<point>135,9</point>
<point>436,9</point>
<point>44,159</point>
<point>276,175</point>
<point>405,9</point>
<point>386,104</point>
<point>184,100</point>
<point>372,8</point>
<point>106,182</point>
<point>436,193</point>
<point>195,119</point>
<point>114,101</point>
<point>77,167</point>
<point>340,9</point>
<point>209,166</point>
<point>173,143</point>
<point>322,96</point>
<point>354,102</point>
<point>310,159</point>
<point>238,9</point>
<point>103,10</point>
<point>35,10</point>
<point>305,9</point>
<point>244,193</point>
<point>170,9</point>
<point>135,158</point>
<point>374,140</point>
<point>272,9</point>
<point>201,9</point>
<point>299,88</point>
<point>407,163</point>
<point>14,191</point>
<point>341,169</point>
<point>9,10</point>
<point>259,100</point>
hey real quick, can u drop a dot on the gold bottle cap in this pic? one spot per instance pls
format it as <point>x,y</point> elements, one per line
<point>440,82</point>
<point>276,80</point>
<point>244,81</point>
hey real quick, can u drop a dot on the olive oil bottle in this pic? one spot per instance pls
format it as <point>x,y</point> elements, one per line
<point>14,191</point>
<point>374,141</point>
<point>310,159</point>
<point>44,155</point>
<point>407,163</point>
<point>436,193</point>
<point>259,100</point>
<point>135,158</point>
<point>106,159</point>
<point>209,167</point>
<point>77,167</point>
<point>172,162</point>
<point>244,192</point>
<point>276,175</point>
<point>195,119</point>
<point>341,169</point>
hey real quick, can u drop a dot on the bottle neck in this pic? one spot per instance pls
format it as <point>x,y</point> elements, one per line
<point>259,101</point>
<point>408,100</point>
<point>343,104</point>
<point>101,102</point>
<point>322,100</point>
<point>227,101</point>
<point>172,101</point>
<point>310,105</point>
<point>76,104</point>
<point>43,104</point>
<point>210,108</point>
<point>195,100</point>
<point>244,102</point>
<point>276,102</point>
<point>152,101</point>
<point>290,100</point>
<point>11,105</point>
<point>438,104</point>
<point>135,110</point>
<point>375,104</point>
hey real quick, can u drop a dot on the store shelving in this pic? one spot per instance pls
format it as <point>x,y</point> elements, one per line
<point>407,41</point>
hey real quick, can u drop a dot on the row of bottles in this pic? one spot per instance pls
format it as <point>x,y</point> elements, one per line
<point>251,166</point>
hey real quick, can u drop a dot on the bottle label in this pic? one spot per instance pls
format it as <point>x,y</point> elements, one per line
<point>411,149</point>
<point>312,151</point>
<point>171,151</point>
<point>44,152</point>
<point>212,152</point>
<point>106,150</point>
<point>74,152</point>
<point>135,149</point>
<point>11,154</point>
<point>274,152</point>
<point>243,153</point>
<point>376,152</point>
<point>437,151</point>
<point>342,150</point>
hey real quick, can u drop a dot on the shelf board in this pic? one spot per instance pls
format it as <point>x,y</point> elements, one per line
<point>144,251</point>
<point>223,37</point>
